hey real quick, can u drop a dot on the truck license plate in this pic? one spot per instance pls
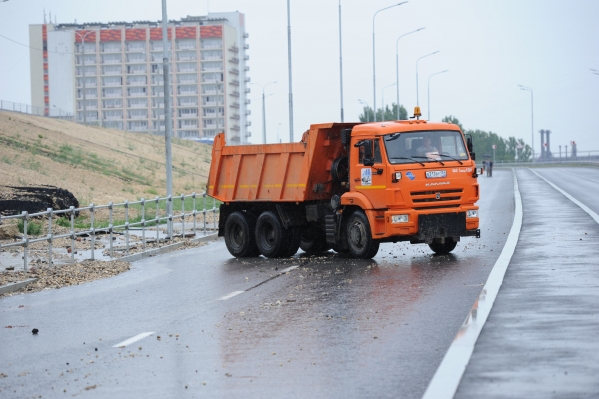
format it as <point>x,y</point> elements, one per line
<point>436,173</point>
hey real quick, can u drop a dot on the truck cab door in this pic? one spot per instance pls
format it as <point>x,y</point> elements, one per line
<point>368,171</point>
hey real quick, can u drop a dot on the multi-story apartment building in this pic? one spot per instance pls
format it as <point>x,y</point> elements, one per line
<point>111,74</point>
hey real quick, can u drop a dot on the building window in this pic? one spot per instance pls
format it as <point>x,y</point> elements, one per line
<point>111,47</point>
<point>112,81</point>
<point>112,92</point>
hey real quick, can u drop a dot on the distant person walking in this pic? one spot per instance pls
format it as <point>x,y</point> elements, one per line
<point>489,168</point>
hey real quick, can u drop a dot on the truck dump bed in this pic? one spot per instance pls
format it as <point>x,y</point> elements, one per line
<point>290,172</point>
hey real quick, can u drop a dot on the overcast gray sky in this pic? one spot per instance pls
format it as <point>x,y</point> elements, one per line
<point>489,47</point>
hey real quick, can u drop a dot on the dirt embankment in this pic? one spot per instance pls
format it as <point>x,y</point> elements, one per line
<point>96,165</point>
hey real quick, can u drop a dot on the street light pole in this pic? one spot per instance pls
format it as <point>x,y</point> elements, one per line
<point>340,63</point>
<point>82,37</point>
<point>290,84</point>
<point>383,98</point>
<point>429,91</point>
<point>417,61</point>
<point>167,121</point>
<point>374,57</point>
<point>397,67</point>
<point>532,119</point>
<point>263,87</point>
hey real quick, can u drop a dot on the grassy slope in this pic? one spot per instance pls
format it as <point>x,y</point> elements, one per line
<point>97,165</point>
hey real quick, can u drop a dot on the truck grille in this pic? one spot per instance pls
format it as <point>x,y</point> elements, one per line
<point>419,197</point>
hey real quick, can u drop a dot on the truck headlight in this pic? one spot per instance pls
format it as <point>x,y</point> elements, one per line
<point>396,177</point>
<point>480,171</point>
<point>399,218</point>
<point>472,214</point>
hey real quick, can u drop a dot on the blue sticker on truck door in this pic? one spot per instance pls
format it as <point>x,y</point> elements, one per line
<point>410,175</point>
<point>366,177</point>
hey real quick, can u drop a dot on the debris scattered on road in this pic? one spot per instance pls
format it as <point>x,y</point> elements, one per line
<point>59,276</point>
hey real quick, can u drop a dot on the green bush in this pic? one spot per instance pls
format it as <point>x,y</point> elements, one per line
<point>33,228</point>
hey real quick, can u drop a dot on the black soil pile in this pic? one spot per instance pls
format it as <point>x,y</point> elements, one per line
<point>15,200</point>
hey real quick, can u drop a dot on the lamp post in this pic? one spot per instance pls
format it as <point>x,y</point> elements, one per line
<point>278,126</point>
<point>429,91</point>
<point>168,129</point>
<point>383,98</point>
<point>532,119</point>
<point>263,87</point>
<point>82,37</point>
<point>397,67</point>
<point>417,61</point>
<point>340,63</point>
<point>367,106</point>
<point>290,84</point>
<point>374,57</point>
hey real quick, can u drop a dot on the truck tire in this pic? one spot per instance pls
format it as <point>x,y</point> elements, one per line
<point>239,235</point>
<point>270,235</point>
<point>293,236</point>
<point>359,238</point>
<point>313,241</point>
<point>443,249</point>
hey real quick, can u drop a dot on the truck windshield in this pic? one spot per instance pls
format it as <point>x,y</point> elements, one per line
<point>425,146</point>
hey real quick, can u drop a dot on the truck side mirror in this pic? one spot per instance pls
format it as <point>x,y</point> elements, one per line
<point>470,146</point>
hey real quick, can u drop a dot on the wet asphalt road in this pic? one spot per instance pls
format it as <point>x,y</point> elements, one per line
<point>332,327</point>
<point>541,339</point>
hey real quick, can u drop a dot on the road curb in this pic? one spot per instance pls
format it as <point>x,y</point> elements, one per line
<point>166,248</point>
<point>12,287</point>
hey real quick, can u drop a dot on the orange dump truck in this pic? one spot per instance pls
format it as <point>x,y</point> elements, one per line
<point>347,187</point>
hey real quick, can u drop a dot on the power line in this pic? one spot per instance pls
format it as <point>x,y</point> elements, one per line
<point>35,48</point>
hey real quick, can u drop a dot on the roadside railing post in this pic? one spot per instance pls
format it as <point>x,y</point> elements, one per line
<point>169,217</point>
<point>25,240</point>
<point>143,224</point>
<point>214,212</point>
<point>92,230</point>
<point>183,216</point>
<point>110,227</point>
<point>157,221</point>
<point>50,237</point>
<point>72,208</point>
<point>127,226</point>
<point>195,232</point>
<point>204,212</point>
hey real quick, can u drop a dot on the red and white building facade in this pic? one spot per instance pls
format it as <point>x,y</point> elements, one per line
<point>114,72</point>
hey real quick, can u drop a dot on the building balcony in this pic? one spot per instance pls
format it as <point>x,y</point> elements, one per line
<point>234,82</point>
<point>234,94</point>
<point>234,71</point>
<point>235,117</point>
<point>234,105</point>
<point>234,49</point>
<point>234,60</point>
<point>236,128</point>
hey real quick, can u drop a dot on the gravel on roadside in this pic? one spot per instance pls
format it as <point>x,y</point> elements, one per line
<point>59,276</point>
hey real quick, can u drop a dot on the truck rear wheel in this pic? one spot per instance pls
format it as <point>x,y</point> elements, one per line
<point>239,231</point>
<point>443,249</point>
<point>313,241</point>
<point>359,238</point>
<point>270,235</point>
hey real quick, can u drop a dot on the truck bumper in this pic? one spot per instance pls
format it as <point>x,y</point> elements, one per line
<point>423,227</point>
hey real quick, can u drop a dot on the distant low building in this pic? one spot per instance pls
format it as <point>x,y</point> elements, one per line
<point>111,75</point>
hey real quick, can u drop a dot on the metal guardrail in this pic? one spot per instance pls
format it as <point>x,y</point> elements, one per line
<point>111,229</point>
<point>53,112</point>
<point>579,161</point>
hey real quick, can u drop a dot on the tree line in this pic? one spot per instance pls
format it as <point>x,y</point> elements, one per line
<point>506,150</point>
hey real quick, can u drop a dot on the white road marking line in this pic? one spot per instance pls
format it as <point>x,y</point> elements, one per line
<point>231,295</point>
<point>289,269</point>
<point>580,177</point>
<point>580,204</point>
<point>447,378</point>
<point>133,339</point>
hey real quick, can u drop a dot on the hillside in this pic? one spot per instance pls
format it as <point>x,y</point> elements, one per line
<point>97,165</point>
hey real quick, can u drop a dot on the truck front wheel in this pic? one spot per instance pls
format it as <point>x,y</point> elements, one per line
<point>359,238</point>
<point>270,235</point>
<point>239,231</point>
<point>445,248</point>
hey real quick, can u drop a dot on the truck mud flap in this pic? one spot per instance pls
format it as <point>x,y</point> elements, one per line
<point>291,215</point>
<point>441,225</point>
